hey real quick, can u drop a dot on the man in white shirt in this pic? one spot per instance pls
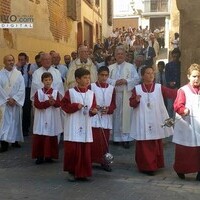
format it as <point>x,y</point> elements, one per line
<point>26,70</point>
<point>67,59</point>
<point>57,84</point>
<point>139,64</point>
<point>175,42</point>
<point>61,68</point>
<point>154,43</point>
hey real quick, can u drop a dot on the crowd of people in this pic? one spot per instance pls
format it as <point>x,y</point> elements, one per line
<point>113,92</point>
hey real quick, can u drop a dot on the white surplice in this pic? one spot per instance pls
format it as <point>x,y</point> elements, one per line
<point>187,128</point>
<point>122,114</point>
<point>11,86</point>
<point>37,83</point>
<point>103,98</point>
<point>56,85</point>
<point>77,125</point>
<point>147,120</point>
<point>47,121</point>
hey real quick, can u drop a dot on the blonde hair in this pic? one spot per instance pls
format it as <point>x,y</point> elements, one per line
<point>193,67</point>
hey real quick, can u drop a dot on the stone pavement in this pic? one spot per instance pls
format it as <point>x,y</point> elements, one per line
<point>21,179</point>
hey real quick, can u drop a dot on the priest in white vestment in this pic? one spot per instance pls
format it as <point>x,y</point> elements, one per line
<point>12,95</point>
<point>82,61</point>
<point>124,77</point>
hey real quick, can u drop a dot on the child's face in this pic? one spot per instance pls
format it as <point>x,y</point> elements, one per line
<point>103,76</point>
<point>47,82</point>
<point>148,76</point>
<point>194,78</point>
<point>84,81</point>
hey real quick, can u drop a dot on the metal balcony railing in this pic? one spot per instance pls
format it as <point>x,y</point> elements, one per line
<point>155,6</point>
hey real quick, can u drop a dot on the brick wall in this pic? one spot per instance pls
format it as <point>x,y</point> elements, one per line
<point>5,9</point>
<point>52,29</point>
<point>59,25</point>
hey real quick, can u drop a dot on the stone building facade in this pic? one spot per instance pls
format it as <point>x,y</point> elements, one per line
<point>175,21</point>
<point>155,14</point>
<point>59,25</point>
<point>189,34</point>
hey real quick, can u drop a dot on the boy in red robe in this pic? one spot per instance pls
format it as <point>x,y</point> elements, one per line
<point>78,104</point>
<point>102,122</point>
<point>47,122</point>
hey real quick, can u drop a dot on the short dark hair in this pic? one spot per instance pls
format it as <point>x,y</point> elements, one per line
<point>46,75</point>
<point>176,34</point>
<point>102,69</point>
<point>176,51</point>
<point>144,69</point>
<point>37,56</point>
<point>161,63</point>
<point>23,54</point>
<point>73,52</point>
<point>81,72</point>
<point>108,58</point>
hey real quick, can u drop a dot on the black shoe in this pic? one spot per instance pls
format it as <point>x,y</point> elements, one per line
<point>25,134</point>
<point>85,179</point>
<point>3,150</point>
<point>4,146</point>
<point>116,143</point>
<point>126,145</point>
<point>39,161</point>
<point>149,173</point>
<point>181,175</point>
<point>16,145</point>
<point>49,160</point>
<point>198,176</point>
<point>82,179</point>
<point>107,168</point>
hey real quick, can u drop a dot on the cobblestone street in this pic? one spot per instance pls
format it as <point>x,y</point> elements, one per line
<point>80,67</point>
<point>22,179</point>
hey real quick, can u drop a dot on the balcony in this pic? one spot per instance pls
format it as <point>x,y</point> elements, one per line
<point>156,6</point>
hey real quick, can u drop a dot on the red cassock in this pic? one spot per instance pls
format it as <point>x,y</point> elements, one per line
<point>42,145</point>
<point>100,144</point>
<point>77,159</point>
<point>149,153</point>
<point>101,135</point>
<point>187,159</point>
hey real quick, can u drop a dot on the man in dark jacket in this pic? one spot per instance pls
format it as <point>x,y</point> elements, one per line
<point>148,53</point>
